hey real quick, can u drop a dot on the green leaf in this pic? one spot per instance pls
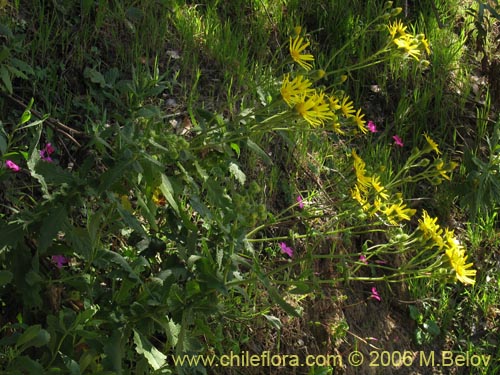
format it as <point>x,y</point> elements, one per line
<point>260,152</point>
<point>28,335</point>
<point>432,327</point>
<point>5,277</point>
<point>26,116</point>
<point>131,221</point>
<point>274,293</point>
<point>168,191</point>
<point>275,322</point>
<point>121,261</point>
<point>155,358</point>
<point>415,314</point>
<point>115,173</point>
<point>114,351</point>
<point>34,336</point>
<point>71,365</point>
<point>53,174</point>
<point>51,225</point>
<point>22,66</point>
<point>3,142</point>
<point>236,148</point>
<point>24,363</point>
<point>5,76</point>
<point>94,76</point>
<point>10,234</point>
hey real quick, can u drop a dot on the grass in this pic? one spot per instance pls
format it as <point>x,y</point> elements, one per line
<point>183,215</point>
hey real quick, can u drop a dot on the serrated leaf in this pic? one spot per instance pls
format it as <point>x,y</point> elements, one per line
<point>155,358</point>
<point>51,225</point>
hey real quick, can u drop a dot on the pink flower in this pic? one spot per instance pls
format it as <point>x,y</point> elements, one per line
<point>375,294</point>
<point>362,259</point>
<point>12,166</point>
<point>372,127</point>
<point>287,250</point>
<point>59,260</point>
<point>398,141</point>
<point>46,152</point>
<point>301,202</point>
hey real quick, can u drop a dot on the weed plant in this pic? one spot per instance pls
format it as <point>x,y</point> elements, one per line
<point>178,178</point>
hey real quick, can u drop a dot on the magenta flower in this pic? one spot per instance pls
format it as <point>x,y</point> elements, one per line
<point>285,249</point>
<point>301,202</point>
<point>375,294</point>
<point>363,259</point>
<point>46,152</point>
<point>398,141</point>
<point>59,260</point>
<point>372,127</point>
<point>12,166</point>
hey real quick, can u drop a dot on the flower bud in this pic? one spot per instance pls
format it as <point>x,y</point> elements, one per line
<point>396,11</point>
<point>423,163</point>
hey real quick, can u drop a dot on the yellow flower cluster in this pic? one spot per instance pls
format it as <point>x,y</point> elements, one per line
<point>452,247</point>
<point>314,106</point>
<point>374,198</point>
<point>411,45</point>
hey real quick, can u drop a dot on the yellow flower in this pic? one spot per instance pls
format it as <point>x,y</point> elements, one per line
<point>359,166</point>
<point>356,195</point>
<point>433,145</point>
<point>314,109</point>
<point>358,118</point>
<point>297,46</point>
<point>381,191</point>
<point>347,107</point>
<point>457,257</point>
<point>291,91</point>
<point>320,74</point>
<point>396,28</point>
<point>125,200</point>
<point>424,43</point>
<point>158,198</point>
<point>408,44</point>
<point>442,168</point>
<point>398,211</point>
<point>334,103</point>
<point>430,229</point>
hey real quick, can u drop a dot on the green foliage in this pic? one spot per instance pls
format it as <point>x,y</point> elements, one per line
<point>10,66</point>
<point>165,182</point>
